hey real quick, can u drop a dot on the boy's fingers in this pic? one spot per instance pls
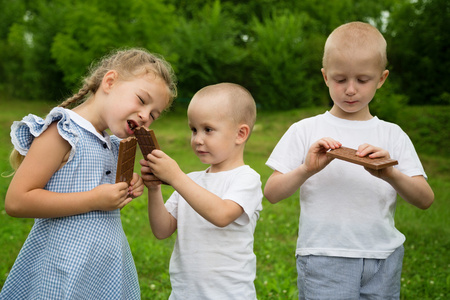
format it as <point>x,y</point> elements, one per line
<point>143,162</point>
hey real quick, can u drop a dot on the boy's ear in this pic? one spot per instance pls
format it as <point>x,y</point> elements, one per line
<point>108,80</point>
<point>325,78</point>
<point>243,133</point>
<point>383,77</point>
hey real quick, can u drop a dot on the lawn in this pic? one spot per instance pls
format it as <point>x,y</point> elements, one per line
<point>426,264</point>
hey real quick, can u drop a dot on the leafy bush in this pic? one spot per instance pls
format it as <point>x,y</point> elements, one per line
<point>387,104</point>
<point>285,70</point>
<point>209,53</point>
<point>427,126</point>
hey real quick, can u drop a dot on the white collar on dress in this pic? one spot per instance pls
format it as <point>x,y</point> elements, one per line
<point>89,127</point>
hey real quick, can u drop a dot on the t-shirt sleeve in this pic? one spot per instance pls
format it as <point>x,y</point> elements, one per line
<point>408,159</point>
<point>289,152</point>
<point>172,204</point>
<point>246,190</point>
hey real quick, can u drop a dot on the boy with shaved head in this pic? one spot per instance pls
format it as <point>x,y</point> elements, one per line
<point>348,246</point>
<point>215,210</point>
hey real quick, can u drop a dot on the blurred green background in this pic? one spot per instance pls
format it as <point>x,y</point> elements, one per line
<point>273,48</point>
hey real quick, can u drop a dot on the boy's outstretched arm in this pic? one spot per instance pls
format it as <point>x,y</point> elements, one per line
<point>280,186</point>
<point>414,190</point>
<point>162,223</point>
<point>218,211</point>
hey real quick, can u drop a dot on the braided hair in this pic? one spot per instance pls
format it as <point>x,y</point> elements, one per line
<point>128,63</point>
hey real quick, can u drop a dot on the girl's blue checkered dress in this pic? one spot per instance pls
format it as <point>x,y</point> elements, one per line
<point>85,256</point>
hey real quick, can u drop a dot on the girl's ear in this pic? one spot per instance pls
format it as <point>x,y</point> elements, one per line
<point>108,80</point>
<point>243,133</point>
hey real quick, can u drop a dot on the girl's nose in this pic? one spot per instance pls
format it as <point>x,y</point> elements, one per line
<point>145,118</point>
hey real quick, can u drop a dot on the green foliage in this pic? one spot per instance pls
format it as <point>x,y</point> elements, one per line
<point>273,48</point>
<point>11,11</point>
<point>73,48</point>
<point>52,43</point>
<point>387,105</point>
<point>282,61</point>
<point>110,26</point>
<point>209,53</point>
<point>427,127</point>
<point>418,49</point>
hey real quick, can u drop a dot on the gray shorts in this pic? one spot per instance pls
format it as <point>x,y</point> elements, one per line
<point>325,277</point>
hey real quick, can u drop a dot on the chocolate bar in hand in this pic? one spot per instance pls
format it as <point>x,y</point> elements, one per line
<point>349,155</point>
<point>125,163</point>
<point>147,141</point>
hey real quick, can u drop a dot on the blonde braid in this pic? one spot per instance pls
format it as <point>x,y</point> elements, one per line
<point>128,63</point>
<point>75,98</point>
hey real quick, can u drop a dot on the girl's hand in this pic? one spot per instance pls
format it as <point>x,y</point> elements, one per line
<point>375,152</point>
<point>316,158</point>
<point>111,196</point>
<point>136,187</point>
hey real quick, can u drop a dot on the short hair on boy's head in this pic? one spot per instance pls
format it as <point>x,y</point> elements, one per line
<point>356,35</point>
<point>241,103</point>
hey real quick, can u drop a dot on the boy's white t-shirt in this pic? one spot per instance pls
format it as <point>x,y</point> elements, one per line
<point>345,211</point>
<point>209,262</point>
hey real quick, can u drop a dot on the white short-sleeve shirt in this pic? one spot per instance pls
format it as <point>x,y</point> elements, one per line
<point>345,211</point>
<point>209,262</point>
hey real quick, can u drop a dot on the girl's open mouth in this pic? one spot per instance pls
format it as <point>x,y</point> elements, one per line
<point>132,125</point>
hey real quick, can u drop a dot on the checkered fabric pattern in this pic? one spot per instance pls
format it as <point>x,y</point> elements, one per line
<point>85,256</point>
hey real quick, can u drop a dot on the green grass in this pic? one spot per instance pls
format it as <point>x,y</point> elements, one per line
<point>426,264</point>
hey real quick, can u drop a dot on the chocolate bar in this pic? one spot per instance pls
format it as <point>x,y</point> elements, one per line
<point>125,163</point>
<point>147,140</point>
<point>349,155</point>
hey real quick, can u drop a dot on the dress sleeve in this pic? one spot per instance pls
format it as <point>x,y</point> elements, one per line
<point>25,131</point>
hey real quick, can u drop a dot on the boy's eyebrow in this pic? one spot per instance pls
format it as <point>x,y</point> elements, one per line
<point>200,124</point>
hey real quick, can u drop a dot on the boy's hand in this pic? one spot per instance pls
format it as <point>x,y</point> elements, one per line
<point>375,152</point>
<point>164,167</point>
<point>150,180</point>
<point>413,189</point>
<point>280,186</point>
<point>316,158</point>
